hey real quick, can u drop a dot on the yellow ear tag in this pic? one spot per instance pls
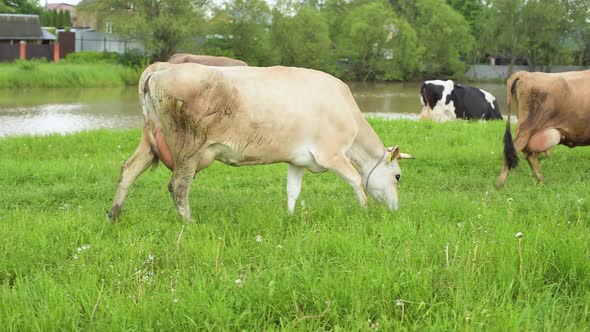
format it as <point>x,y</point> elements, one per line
<point>390,157</point>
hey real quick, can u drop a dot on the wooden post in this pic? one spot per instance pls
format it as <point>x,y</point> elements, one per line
<point>56,52</point>
<point>22,50</point>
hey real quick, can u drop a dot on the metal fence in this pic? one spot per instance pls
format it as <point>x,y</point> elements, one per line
<point>105,42</point>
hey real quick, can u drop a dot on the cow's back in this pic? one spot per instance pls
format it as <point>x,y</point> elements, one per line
<point>274,109</point>
<point>206,60</point>
<point>473,103</point>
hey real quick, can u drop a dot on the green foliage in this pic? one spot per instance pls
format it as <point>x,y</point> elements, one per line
<point>161,26</point>
<point>65,74</point>
<point>244,29</point>
<point>406,53</point>
<point>27,64</point>
<point>67,19</point>
<point>133,59</point>
<point>20,7</point>
<point>53,18</point>
<point>448,260</point>
<point>541,32</point>
<point>303,40</point>
<point>445,36</point>
<point>366,38</point>
<point>60,19</point>
<point>92,57</point>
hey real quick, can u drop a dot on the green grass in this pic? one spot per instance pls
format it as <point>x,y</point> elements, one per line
<point>447,260</point>
<point>31,74</point>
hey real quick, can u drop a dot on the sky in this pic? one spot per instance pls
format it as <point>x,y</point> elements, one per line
<point>71,2</point>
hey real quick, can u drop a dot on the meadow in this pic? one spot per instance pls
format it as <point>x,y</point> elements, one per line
<point>39,74</point>
<point>449,259</point>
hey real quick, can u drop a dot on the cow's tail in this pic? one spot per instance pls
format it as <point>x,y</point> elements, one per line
<point>422,97</point>
<point>510,155</point>
<point>149,113</point>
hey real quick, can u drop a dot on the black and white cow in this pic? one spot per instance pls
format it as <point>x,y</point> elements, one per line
<point>445,100</point>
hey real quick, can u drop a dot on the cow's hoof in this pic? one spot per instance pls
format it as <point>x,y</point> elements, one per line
<point>113,214</point>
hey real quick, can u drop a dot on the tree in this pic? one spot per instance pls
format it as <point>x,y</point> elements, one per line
<point>303,39</point>
<point>474,13</point>
<point>67,19</point>
<point>377,43</point>
<point>53,20</point>
<point>162,27</point>
<point>245,29</point>
<point>20,7</point>
<point>60,19</point>
<point>445,36</point>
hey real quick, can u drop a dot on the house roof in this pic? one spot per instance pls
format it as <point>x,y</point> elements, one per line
<point>22,27</point>
<point>59,6</point>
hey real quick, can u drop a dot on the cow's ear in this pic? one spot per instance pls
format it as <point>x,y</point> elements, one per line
<point>393,153</point>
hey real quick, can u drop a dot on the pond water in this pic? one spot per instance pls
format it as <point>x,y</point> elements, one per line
<point>48,111</point>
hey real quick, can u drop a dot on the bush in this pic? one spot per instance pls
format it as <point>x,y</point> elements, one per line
<point>133,59</point>
<point>31,64</point>
<point>93,57</point>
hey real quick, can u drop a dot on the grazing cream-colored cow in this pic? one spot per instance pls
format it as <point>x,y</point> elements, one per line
<point>207,60</point>
<point>552,109</point>
<point>196,114</point>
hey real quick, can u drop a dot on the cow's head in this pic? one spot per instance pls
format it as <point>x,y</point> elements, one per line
<point>382,179</point>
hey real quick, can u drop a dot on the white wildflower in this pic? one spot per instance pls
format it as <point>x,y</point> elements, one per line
<point>518,235</point>
<point>150,258</point>
<point>82,248</point>
<point>239,282</point>
<point>259,238</point>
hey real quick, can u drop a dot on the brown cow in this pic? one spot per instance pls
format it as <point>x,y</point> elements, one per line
<point>257,115</point>
<point>207,60</point>
<point>552,109</point>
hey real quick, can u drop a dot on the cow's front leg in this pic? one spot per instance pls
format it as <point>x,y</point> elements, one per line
<point>294,179</point>
<point>340,165</point>
<point>179,187</point>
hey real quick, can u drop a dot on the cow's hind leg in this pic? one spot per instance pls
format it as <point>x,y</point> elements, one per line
<point>130,170</point>
<point>340,165</point>
<point>182,178</point>
<point>294,178</point>
<point>179,188</point>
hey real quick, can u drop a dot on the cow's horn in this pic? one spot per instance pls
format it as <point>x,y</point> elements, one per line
<point>406,156</point>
